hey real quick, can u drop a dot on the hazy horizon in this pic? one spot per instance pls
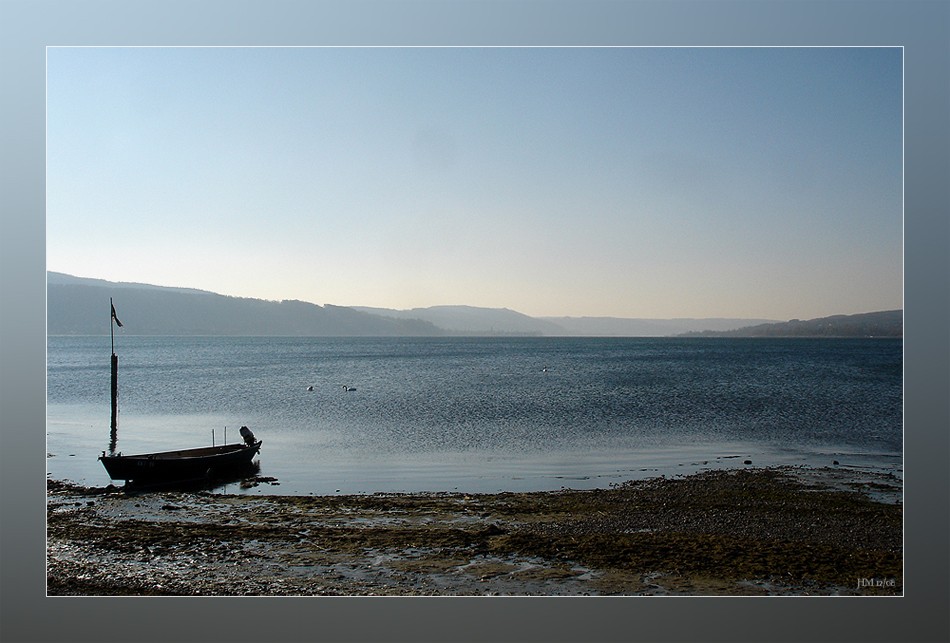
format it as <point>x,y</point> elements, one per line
<point>606,182</point>
<point>124,283</point>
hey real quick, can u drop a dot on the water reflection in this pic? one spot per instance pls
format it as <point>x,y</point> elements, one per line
<point>213,482</point>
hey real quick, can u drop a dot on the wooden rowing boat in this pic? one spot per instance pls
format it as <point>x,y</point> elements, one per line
<point>182,464</point>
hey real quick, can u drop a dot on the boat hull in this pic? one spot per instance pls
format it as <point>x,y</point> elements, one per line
<point>180,465</point>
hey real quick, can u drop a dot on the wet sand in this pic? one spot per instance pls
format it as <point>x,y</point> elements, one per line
<point>781,531</point>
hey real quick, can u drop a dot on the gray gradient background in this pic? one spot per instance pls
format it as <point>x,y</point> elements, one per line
<point>26,614</point>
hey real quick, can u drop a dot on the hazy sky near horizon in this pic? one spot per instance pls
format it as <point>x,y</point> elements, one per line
<point>630,182</point>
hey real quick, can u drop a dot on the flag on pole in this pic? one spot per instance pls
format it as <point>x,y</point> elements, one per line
<point>117,322</point>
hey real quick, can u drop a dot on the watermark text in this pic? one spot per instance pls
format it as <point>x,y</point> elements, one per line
<point>883,583</point>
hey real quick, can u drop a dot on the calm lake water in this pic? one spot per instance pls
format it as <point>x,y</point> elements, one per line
<point>479,414</point>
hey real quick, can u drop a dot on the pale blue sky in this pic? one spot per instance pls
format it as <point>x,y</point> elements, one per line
<point>635,182</point>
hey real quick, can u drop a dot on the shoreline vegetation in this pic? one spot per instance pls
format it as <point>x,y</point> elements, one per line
<point>786,531</point>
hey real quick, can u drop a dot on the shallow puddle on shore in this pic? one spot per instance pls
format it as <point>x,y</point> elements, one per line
<point>880,487</point>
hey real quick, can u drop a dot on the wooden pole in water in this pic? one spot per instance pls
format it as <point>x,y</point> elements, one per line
<point>114,430</point>
<point>113,322</point>
<point>115,368</point>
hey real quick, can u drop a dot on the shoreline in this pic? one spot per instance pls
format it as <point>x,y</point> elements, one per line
<point>787,531</point>
<point>488,474</point>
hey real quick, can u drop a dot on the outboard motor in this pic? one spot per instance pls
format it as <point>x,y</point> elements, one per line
<point>249,439</point>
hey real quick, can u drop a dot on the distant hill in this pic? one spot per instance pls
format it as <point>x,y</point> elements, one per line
<point>470,320</point>
<point>488,321</point>
<point>628,327</point>
<point>888,323</point>
<point>77,306</point>
<point>62,279</point>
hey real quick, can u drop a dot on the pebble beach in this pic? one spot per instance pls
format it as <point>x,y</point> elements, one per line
<point>787,531</point>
